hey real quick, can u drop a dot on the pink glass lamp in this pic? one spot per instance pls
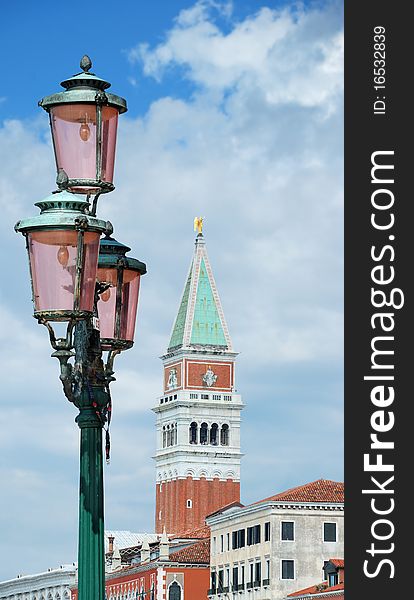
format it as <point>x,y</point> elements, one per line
<point>63,248</point>
<point>84,120</point>
<point>118,303</point>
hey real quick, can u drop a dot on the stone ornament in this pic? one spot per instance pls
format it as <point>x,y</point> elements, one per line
<point>209,378</point>
<point>172,379</point>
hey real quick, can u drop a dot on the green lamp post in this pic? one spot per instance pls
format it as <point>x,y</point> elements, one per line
<point>69,286</point>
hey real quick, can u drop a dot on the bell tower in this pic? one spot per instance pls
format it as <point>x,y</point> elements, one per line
<point>198,415</point>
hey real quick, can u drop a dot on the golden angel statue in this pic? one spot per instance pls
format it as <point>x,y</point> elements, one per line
<point>198,224</point>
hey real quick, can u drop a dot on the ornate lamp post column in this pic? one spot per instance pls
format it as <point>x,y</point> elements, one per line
<point>63,245</point>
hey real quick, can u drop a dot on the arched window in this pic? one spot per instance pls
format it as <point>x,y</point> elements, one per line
<point>214,434</point>
<point>193,433</point>
<point>224,435</point>
<point>164,437</point>
<point>175,434</point>
<point>172,435</point>
<point>168,436</point>
<point>204,433</point>
<point>174,591</point>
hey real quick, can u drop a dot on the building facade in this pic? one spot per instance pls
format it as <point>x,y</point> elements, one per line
<point>269,549</point>
<point>198,415</point>
<point>333,587</point>
<point>173,571</point>
<point>53,584</point>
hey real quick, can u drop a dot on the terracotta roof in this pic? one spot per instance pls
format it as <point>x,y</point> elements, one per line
<point>321,490</point>
<point>321,588</point>
<point>200,533</point>
<point>337,562</point>
<point>197,553</point>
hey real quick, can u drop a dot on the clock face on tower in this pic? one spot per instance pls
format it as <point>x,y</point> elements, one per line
<point>209,378</point>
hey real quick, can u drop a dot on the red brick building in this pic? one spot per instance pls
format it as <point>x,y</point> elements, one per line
<point>198,414</point>
<point>174,574</point>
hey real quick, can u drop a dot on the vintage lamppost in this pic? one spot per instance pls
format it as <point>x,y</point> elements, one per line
<point>63,244</point>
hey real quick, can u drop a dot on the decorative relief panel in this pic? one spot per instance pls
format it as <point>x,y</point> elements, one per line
<point>172,377</point>
<point>209,375</point>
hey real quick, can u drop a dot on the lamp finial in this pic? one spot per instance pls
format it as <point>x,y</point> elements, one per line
<point>85,63</point>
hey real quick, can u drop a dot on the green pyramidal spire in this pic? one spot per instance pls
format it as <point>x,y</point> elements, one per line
<point>200,320</point>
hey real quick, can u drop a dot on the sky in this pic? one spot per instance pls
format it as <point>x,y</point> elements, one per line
<point>235,114</point>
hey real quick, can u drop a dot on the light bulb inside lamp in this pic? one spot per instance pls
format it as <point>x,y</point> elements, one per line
<point>84,132</point>
<point>63,256</point>
<point>106,295</point>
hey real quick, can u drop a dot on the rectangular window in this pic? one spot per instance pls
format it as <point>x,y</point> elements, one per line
<point>234,540</point>
<point>268,569</point>
<point>288,531</point>
<point>329,532</point>
<point>242,575</point>
<point>235,576</point>
<point>288,569</point>
<point>253,535</point>
<point>228,541</point>
<point>251,572</point>
<point>241,542</point>
<point>204,396</point>
<point>220,582</point>
<point>267,532</point>
<point>333,579</point>
<point>193,396</point>
<point>214,545</point>
<point>213,580</point>
<point>325,577</point>
<point>257,572</point>
<point>227,398</point>
<point>222,543</point>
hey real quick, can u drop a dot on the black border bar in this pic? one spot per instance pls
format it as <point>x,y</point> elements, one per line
<point>379,350</point>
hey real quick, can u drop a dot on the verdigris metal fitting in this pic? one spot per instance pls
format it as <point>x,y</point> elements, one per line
<point>63,209</point>
<point>84,87</point>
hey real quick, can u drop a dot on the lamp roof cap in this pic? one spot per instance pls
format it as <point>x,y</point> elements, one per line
<point>112,253</point>
<point>84,87</point>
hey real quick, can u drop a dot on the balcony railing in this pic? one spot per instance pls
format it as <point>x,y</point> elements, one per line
<point>257,583</point>
<point>240,587</point>
<point>226,588</point>
<point>249,585</point>
<point>266,582</point>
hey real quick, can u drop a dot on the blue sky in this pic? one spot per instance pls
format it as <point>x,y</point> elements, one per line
<point>235,113</point>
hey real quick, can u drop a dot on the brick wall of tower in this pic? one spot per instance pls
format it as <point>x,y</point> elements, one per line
<point>206,496</point>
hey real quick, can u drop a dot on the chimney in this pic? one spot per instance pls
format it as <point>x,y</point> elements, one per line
<point>164,547</point>
<point>111,543</point>
<point>145,552</point>
<point>116,559</point>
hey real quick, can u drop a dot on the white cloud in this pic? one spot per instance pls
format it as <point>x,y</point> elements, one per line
<point>288,55</point>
